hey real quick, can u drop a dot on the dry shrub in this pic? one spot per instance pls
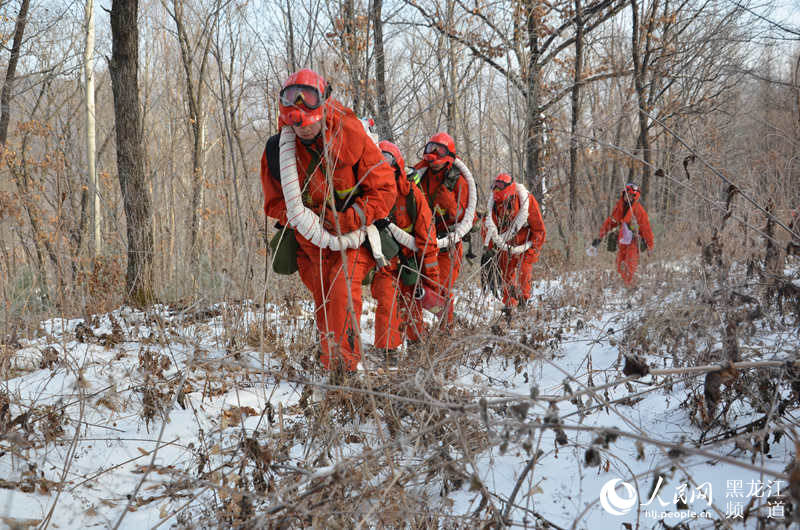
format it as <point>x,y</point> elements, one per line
<point>51,422</point>
<point>103,283</point>
<point>157,391</point>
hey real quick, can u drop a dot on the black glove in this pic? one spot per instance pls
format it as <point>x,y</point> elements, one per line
<point>382,224</point>
<point>487,256</point>
<point>469,255</point>
<point>642,244</point>
<point>596,242</point>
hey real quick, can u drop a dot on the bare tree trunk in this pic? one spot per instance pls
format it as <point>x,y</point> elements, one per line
<point>451,101</point>
<point>290,44</point>
<point>194,99</point>
<point>533,122</point>
<point>384,119</point>
<point>88,66</point>
<point>576,110</point>
<point>350,51</point>
<point>639,74</point>
<point>11,71</point>
<point>230,125</point>
<point>130,150</point>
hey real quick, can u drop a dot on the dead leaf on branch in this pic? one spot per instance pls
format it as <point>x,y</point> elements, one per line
<point>635,365</point>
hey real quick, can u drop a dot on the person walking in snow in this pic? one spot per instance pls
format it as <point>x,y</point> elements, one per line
<point>514,234</point>
<point>627,214</point>
<point>399,312</point>
<point>447,193</point>
<point>326,184</point>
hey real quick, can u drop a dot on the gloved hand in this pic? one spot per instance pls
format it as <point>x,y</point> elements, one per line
<point>349,220</point>
<point>642,244</point>
<point>487,255</point>
<point>382,224</point>
<point>596,242</point>
<point>470,255</point>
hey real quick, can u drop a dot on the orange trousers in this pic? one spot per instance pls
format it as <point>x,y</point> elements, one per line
<point>628,261</point>
<point>449,267</point>
<point>397,313</point>
<point>517,274</point>
<point>323,274</point>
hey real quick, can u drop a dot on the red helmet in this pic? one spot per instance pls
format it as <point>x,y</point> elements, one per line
<point>392,155</point>
<point>503,188</point>
<point>440,148</point>
<point>631,192</point>
<point>302,97</point>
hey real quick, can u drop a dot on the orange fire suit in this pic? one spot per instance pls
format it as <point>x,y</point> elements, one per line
<point>628,254</point>
<point>516,270</point>
<point>363,191</point>
<point>448,206</point>
<point>398,313</point>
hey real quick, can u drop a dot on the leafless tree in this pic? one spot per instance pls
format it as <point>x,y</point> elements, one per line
<point>194,58</point>
<point>384,118</point>
<point>124,66</point>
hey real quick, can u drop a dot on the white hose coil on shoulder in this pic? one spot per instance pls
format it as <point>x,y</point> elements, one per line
<point>460,229</point>
<point>301,218</point>
<point>520,221</point>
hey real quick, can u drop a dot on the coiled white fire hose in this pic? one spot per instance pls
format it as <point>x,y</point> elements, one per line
<point>520,221</point>
<point>460,229</point>
<point>304,220</point>
<point>308,224</point>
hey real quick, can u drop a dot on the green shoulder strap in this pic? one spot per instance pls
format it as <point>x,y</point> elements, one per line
<point>411,205</point>
<point>273,158</point>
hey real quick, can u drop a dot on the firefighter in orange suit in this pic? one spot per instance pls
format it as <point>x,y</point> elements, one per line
<point>446,190</point>
<point>627,214</point>
<point>345,181</point>
<point>393,287</point>
<point>516,267</point>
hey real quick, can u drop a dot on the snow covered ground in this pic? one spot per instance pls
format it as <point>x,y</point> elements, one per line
<point>183,417</point>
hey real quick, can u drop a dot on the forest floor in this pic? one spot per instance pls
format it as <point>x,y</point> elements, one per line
<point>580,411</point>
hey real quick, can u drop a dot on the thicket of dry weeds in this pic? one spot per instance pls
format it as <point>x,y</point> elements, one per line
<point>377,447</point>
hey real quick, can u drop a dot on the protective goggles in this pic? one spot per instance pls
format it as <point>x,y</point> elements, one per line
<point>440,150</point>
<point>293,95</point>
<point>389,157</point>
<point>500,185</point>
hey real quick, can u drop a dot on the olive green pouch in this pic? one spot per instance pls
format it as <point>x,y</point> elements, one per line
<point>284,251</point>
<point>611,241</point>
<point>409,271</point>
<point>389,246</point>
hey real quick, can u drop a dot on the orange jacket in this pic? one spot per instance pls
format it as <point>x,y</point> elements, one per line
<point>622,214</point>
<point>448,206</point>
<point>534,231</point>
<point>422,227</point>
<point>370,193</point>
